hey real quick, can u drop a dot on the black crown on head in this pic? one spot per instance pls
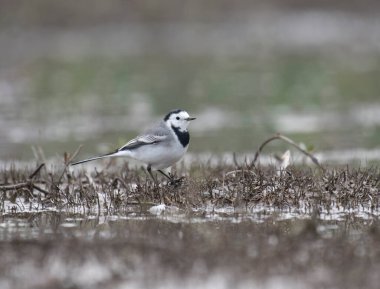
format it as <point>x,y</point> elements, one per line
<point>175,111</point>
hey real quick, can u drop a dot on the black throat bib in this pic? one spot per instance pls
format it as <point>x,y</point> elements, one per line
<point>183,136</point>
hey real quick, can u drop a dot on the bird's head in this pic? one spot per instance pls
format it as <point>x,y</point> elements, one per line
<point>179,119</point>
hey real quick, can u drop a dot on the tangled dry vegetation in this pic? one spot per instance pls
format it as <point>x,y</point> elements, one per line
<point>239,186</point>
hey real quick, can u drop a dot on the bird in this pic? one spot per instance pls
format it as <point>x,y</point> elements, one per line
<point>160,146</point>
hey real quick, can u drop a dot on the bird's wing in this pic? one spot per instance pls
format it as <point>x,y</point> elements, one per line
<point>147,139</point>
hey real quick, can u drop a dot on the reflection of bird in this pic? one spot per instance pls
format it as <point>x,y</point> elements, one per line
<point>160,146</point>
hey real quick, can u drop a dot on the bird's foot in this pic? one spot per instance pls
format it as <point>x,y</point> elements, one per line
<point>176,182</point>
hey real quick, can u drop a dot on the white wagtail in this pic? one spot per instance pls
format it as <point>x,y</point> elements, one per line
<point>160,146</point>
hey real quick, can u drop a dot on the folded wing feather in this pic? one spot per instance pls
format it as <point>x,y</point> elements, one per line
<point>142,140</point>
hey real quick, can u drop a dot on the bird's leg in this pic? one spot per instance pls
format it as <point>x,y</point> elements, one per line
<point>169,177</point>
<point>156,188</point>
<point>149,169</point>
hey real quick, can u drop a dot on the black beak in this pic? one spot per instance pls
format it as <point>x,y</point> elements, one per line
<point>191,118</point>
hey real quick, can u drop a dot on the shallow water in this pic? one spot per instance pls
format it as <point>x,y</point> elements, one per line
<point>48,224</point>
<point>212,251</point>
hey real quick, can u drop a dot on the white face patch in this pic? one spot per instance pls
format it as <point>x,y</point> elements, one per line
<point>179,120</point>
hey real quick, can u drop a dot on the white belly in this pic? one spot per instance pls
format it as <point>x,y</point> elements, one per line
<point>158,156</point>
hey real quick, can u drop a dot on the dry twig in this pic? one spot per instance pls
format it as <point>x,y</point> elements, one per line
<point>289,141</point>
<point>28,184</point>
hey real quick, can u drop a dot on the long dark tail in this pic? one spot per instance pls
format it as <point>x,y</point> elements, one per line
<point>109,155</point>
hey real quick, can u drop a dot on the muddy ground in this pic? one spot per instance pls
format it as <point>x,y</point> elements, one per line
<point>223,226</point>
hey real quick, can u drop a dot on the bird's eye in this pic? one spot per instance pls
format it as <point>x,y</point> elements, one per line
<point>177,118</point>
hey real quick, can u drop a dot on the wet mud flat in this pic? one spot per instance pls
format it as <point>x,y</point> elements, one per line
<point>223,226</point>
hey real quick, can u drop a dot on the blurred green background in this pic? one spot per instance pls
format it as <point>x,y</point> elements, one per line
<point>96,72</point>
